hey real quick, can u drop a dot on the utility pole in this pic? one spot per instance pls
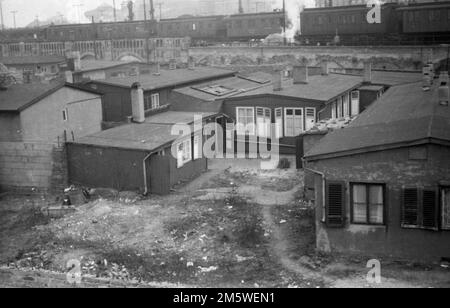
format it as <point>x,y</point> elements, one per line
<point>14,17</point>
<point>1,15</point>
<point>160,9</point>
<point>145,10</point>
<point>78,6</point>
<point>241,8</point>
<point>284,23</point>
<point>152,11</point>
<point>115,11</point>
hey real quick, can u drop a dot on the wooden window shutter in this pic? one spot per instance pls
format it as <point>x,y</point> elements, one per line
<point>430,209</point>
<point>335,204</point>
<point>410,210</point>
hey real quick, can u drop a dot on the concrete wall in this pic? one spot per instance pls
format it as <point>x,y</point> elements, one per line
<point>106,167</point>
<point>121,169</point>
<point>390,57</point>
<point>395,169</point>
<point>10,129</point>
<point>32,165</point>
<point>44,121</point>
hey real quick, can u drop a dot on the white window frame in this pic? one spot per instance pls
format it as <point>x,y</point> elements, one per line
<point>244,129</point>
<point>333,110</point>
<point>279,123</point>
<point>355,103</point>
<point>346,105</point>
<point>184,152</point>
<point>264,122</point>
<point>197,147</point>
<point>294,117</point>
<point>155,101</point>
<point>308,125</point>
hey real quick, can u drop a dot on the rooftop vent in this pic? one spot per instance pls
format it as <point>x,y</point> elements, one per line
<point>426,85</point>
<point>173,64</point>
<point>191,63</point>
<point>444,93</point>
<point>157,69</point>
<point>277,85</point>
<point>367,72</point>
<point>137,103</point>
<point>300,74</point>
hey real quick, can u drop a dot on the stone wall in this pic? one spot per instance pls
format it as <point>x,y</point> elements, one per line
<point>26,166</point>
<point>384,57</point>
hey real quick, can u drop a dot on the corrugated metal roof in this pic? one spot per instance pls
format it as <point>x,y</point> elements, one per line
<point>404,114</point>
<point>169,78</point>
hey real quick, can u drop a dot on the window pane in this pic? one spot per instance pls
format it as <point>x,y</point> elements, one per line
<point>359,204</point>
<point>376,194</point>
<point>376,213</point>
<point>360,212</point>
<point>446,208</point>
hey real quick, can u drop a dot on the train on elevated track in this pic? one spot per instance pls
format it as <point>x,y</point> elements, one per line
<point>424,23</point>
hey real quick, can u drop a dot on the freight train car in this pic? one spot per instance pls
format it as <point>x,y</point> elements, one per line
<point>349,24</point>
<point>198,28</point>
<point>426,23</point>
<point>245,27</point>
<point>101,31</point>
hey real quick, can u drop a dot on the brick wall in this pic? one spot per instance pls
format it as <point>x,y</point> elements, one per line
<point>32,165</point>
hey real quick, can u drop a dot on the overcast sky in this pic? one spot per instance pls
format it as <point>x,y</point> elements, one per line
<point>29,9</point>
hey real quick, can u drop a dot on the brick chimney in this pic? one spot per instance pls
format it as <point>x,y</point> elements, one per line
<point>300,74</point>
<point>137,103</point>
<point>157,69</point>
<point>277,81</point>
<point>324,67</point>
<point>367,77</point>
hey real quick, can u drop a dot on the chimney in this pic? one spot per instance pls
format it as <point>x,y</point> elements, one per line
<point>191,63</point>
<point>137,103</point>
<point>157,69</point>
<point>173,64</point>
<point>367,72</point>
<point>324,66</point>
<point>68,76</point>
<point>300,74</point>
<point>77,61</point>
<point>444,90</point>
<point>277,83</point>
<point>426,82</point>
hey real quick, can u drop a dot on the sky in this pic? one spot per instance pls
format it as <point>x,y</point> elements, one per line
<point>29,9</point>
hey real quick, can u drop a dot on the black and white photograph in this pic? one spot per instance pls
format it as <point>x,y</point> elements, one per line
<point>224,150</point>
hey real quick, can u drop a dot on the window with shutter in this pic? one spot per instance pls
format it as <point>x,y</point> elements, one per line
<point>420,208</point>
<point>335,204</point>
<point>410,212</point>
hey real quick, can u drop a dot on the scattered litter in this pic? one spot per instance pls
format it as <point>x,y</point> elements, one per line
<point>243,259</point>
<point>207,269</point>
<point>283,221</point>
<point>190,264</point>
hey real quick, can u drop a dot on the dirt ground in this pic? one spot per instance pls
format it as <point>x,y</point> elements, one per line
<point>234,226</point>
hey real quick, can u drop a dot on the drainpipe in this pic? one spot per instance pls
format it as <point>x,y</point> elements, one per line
<point>145,171</point>
<point>322,175</point>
